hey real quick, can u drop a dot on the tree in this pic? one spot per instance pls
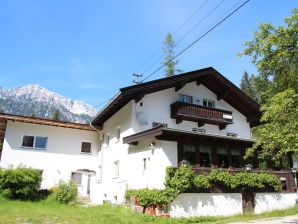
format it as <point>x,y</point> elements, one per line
<point>168,62</point>
<point>33,115</point>
<point>56,116</point>
<point>274,51</point>
<point>279,134</point>
<point>1,110</point>
<point>247,86</point>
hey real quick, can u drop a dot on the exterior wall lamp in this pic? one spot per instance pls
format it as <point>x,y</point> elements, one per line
<point>248,167</point>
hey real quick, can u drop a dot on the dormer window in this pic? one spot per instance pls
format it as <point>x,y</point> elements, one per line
<point>208,103</point>
<point>185,98</point>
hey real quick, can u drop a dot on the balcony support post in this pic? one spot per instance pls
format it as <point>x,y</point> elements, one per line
<point>178,121</point>
<point>222,126</point>
<point>201,123</point>
<point>179,86</point>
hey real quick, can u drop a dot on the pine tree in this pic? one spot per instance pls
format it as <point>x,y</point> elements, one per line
<point>247,85</point>
<point>56,116</point>
<point>168,49</point>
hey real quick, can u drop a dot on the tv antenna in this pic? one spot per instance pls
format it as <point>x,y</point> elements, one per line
<point>137,79</point>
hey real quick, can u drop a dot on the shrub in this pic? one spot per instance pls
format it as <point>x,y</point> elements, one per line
<point>153,197</point>
<point>66,192</point>
<point>20,183</point>
<point>222,179</point>
<point>201,182</point>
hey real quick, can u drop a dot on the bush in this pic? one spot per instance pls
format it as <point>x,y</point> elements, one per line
<point>20,183</point>
<point>201,182</point>
<point>66,192</point>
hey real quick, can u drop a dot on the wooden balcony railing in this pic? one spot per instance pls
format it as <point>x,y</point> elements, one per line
<point>200,114</point>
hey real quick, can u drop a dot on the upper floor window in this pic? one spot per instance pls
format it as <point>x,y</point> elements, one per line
<point>36,142</point>
<point>155,124</point>
<point>208,103</point>
<point>185,98</point>
<point>108,141</point>
<point>118,133</point>
<point>86,147</point>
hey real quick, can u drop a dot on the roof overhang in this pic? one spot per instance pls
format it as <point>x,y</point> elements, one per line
<point>41,121</point>
<point>169,134</point>
<point>209,77</point>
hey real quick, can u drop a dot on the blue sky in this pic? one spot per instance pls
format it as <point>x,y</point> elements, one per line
<point>88,49</point>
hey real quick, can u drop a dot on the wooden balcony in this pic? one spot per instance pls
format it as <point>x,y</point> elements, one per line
<point>200,114</point>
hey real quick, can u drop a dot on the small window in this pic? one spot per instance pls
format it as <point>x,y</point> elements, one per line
<point>34,142</point>
<point>283,183</point>
<point>144,164</point>
<point>234,135</point>
<point>199,130</point>
<point>208,103</point>
<point>118,133</point>
<point>116,163</point>
<point>28,141</point>
<point>108,141</point>
<point>185,98</point>
<point>155,124</point>
<point>86,147</point>
<point>40,142</point>
<point>76,177</point>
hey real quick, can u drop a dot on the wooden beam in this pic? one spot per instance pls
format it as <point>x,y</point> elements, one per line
<point>201,123</point>
<point>222,126</point>
<point>139,97</point>
<point>179,86</point>
<point>135,143</point>
<point>201,80</point>
<point>224,94</point>
<point>178,121</point>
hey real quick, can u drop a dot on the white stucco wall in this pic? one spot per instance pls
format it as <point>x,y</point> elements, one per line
<point>266,202</point>
<point>61,157</point>
<point>206,204</point>
<point>156,108</point>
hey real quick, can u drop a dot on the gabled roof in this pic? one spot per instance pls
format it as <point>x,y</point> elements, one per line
<point>4,117</point>
<point>209,77</point>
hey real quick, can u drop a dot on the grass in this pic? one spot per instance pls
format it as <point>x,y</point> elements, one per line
<point>49,212</point>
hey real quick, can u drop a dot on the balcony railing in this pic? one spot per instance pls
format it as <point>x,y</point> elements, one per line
<point>200,114</point>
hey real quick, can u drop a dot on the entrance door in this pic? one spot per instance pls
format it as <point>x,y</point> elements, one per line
<point>248,201</point>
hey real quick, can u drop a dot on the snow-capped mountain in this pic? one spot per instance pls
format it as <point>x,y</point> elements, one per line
<point>34,99</point>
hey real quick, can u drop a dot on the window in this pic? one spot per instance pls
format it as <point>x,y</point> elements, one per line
<point>185,98</point>
<point>283,183</point>
<point>144,165</point>
<point>235,158</point>
<point>189,154</point>
<point>116,164</point>
<point>36,142</point>
<point>108,141</point>
<point>86,147</point>
<point>208,103</point>
<point>199,130</point>
<point>222,158</point>
<point>232,135</point>
<point>118,133</point>
<point>205,155</point>
<point>76,177</point>
<point>155,124</point>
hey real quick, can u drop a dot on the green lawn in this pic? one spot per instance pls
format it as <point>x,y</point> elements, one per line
<point>49,212</point>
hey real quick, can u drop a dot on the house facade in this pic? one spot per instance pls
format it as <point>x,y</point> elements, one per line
<point>199,118</point>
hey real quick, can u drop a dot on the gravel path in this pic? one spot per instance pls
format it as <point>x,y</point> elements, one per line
<point>293,219</point>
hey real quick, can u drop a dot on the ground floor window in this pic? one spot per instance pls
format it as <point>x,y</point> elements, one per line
<point>222,157</point>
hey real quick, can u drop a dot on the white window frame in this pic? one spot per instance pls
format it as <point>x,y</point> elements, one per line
<point>34,141</point>
<point>183,96</point>
<point>88,153</point>
<point>209,101</point>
